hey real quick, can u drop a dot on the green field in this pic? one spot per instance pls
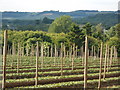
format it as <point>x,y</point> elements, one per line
<point>49,76</point>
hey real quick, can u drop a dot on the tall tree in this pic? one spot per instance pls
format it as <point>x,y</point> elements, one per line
<point>61,24</point>
<point>98,33</point>
<point>87,29</point>
<point>76,35</point>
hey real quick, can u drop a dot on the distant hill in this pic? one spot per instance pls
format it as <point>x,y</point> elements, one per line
<point>51,14</point>
<point>107,19</point>
<point>42,20</point>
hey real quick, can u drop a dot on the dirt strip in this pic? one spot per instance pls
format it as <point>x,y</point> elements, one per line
<point>50,81</point>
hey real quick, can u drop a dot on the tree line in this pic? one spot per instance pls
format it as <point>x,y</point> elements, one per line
<point>64,30</point>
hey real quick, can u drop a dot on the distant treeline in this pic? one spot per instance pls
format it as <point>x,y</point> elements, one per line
<point>41,25</point>
<point>107,20</point>
<point>75,35</point>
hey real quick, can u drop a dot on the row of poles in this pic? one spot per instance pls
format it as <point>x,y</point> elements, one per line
<point>108,57</point>
<point>62,51</point>
<point>57,53</point>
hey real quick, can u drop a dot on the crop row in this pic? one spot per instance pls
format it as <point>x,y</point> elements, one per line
<point>50,65</point>
<point>75,83</point>
<point>28,60</point>
<point>55,79</point>
<point>51,69</point>
<point>53,73</point>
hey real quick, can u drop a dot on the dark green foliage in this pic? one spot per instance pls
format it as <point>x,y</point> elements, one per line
<point>114,37</point>
<point>87,29</point>
<point>68,33</point>
<point>76,35</point>
<point>26,24</point>
<point>107,19</point>
<point>61,24</point>
<point>58,38</point>
<point>98,32</point>
<point>47,20</point>
<point>27,37</point>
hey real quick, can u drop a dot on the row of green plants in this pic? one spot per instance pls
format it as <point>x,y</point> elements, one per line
<point>31,60</point>
<point>72,83</point>
<point>75,66</point>
<point>56,77</point>
<point>91,70</point>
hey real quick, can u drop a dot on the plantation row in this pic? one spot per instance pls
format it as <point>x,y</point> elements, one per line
<point>59,65</point>
<point>46,78</point>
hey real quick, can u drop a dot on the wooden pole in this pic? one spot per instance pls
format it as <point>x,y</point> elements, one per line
<point>45,51</point>
<point>108,59</point>
<point>27,53</point>
<point>13,48</point>
<point>20,53</point>
<point>111,56</point>
<point>82,55</point>
<point>76,53</point>
<point>31,54</point>
<point>23,51</point>
<point>18,59</point>
<point>86,62</point>
<point>4,60</point>
<point>70,53</point>
<point>98,53</point>
<point>94,53</point>
<point>55,55</point>
<point>73,56</point>
<point>114,55</point>
<point>64,53</point>
<point>61,59</point>
<point>27,50</point>
<point>100,71</point>
<point>37,56</point>
<point>13,53</point>
<point>42,54</point>
<point>51,51</point>
<point>105,62</point>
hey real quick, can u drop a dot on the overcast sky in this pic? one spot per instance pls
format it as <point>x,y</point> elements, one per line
<point>61,5</point>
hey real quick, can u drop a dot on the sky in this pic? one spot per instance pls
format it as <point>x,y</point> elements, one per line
<point>61,5</point>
